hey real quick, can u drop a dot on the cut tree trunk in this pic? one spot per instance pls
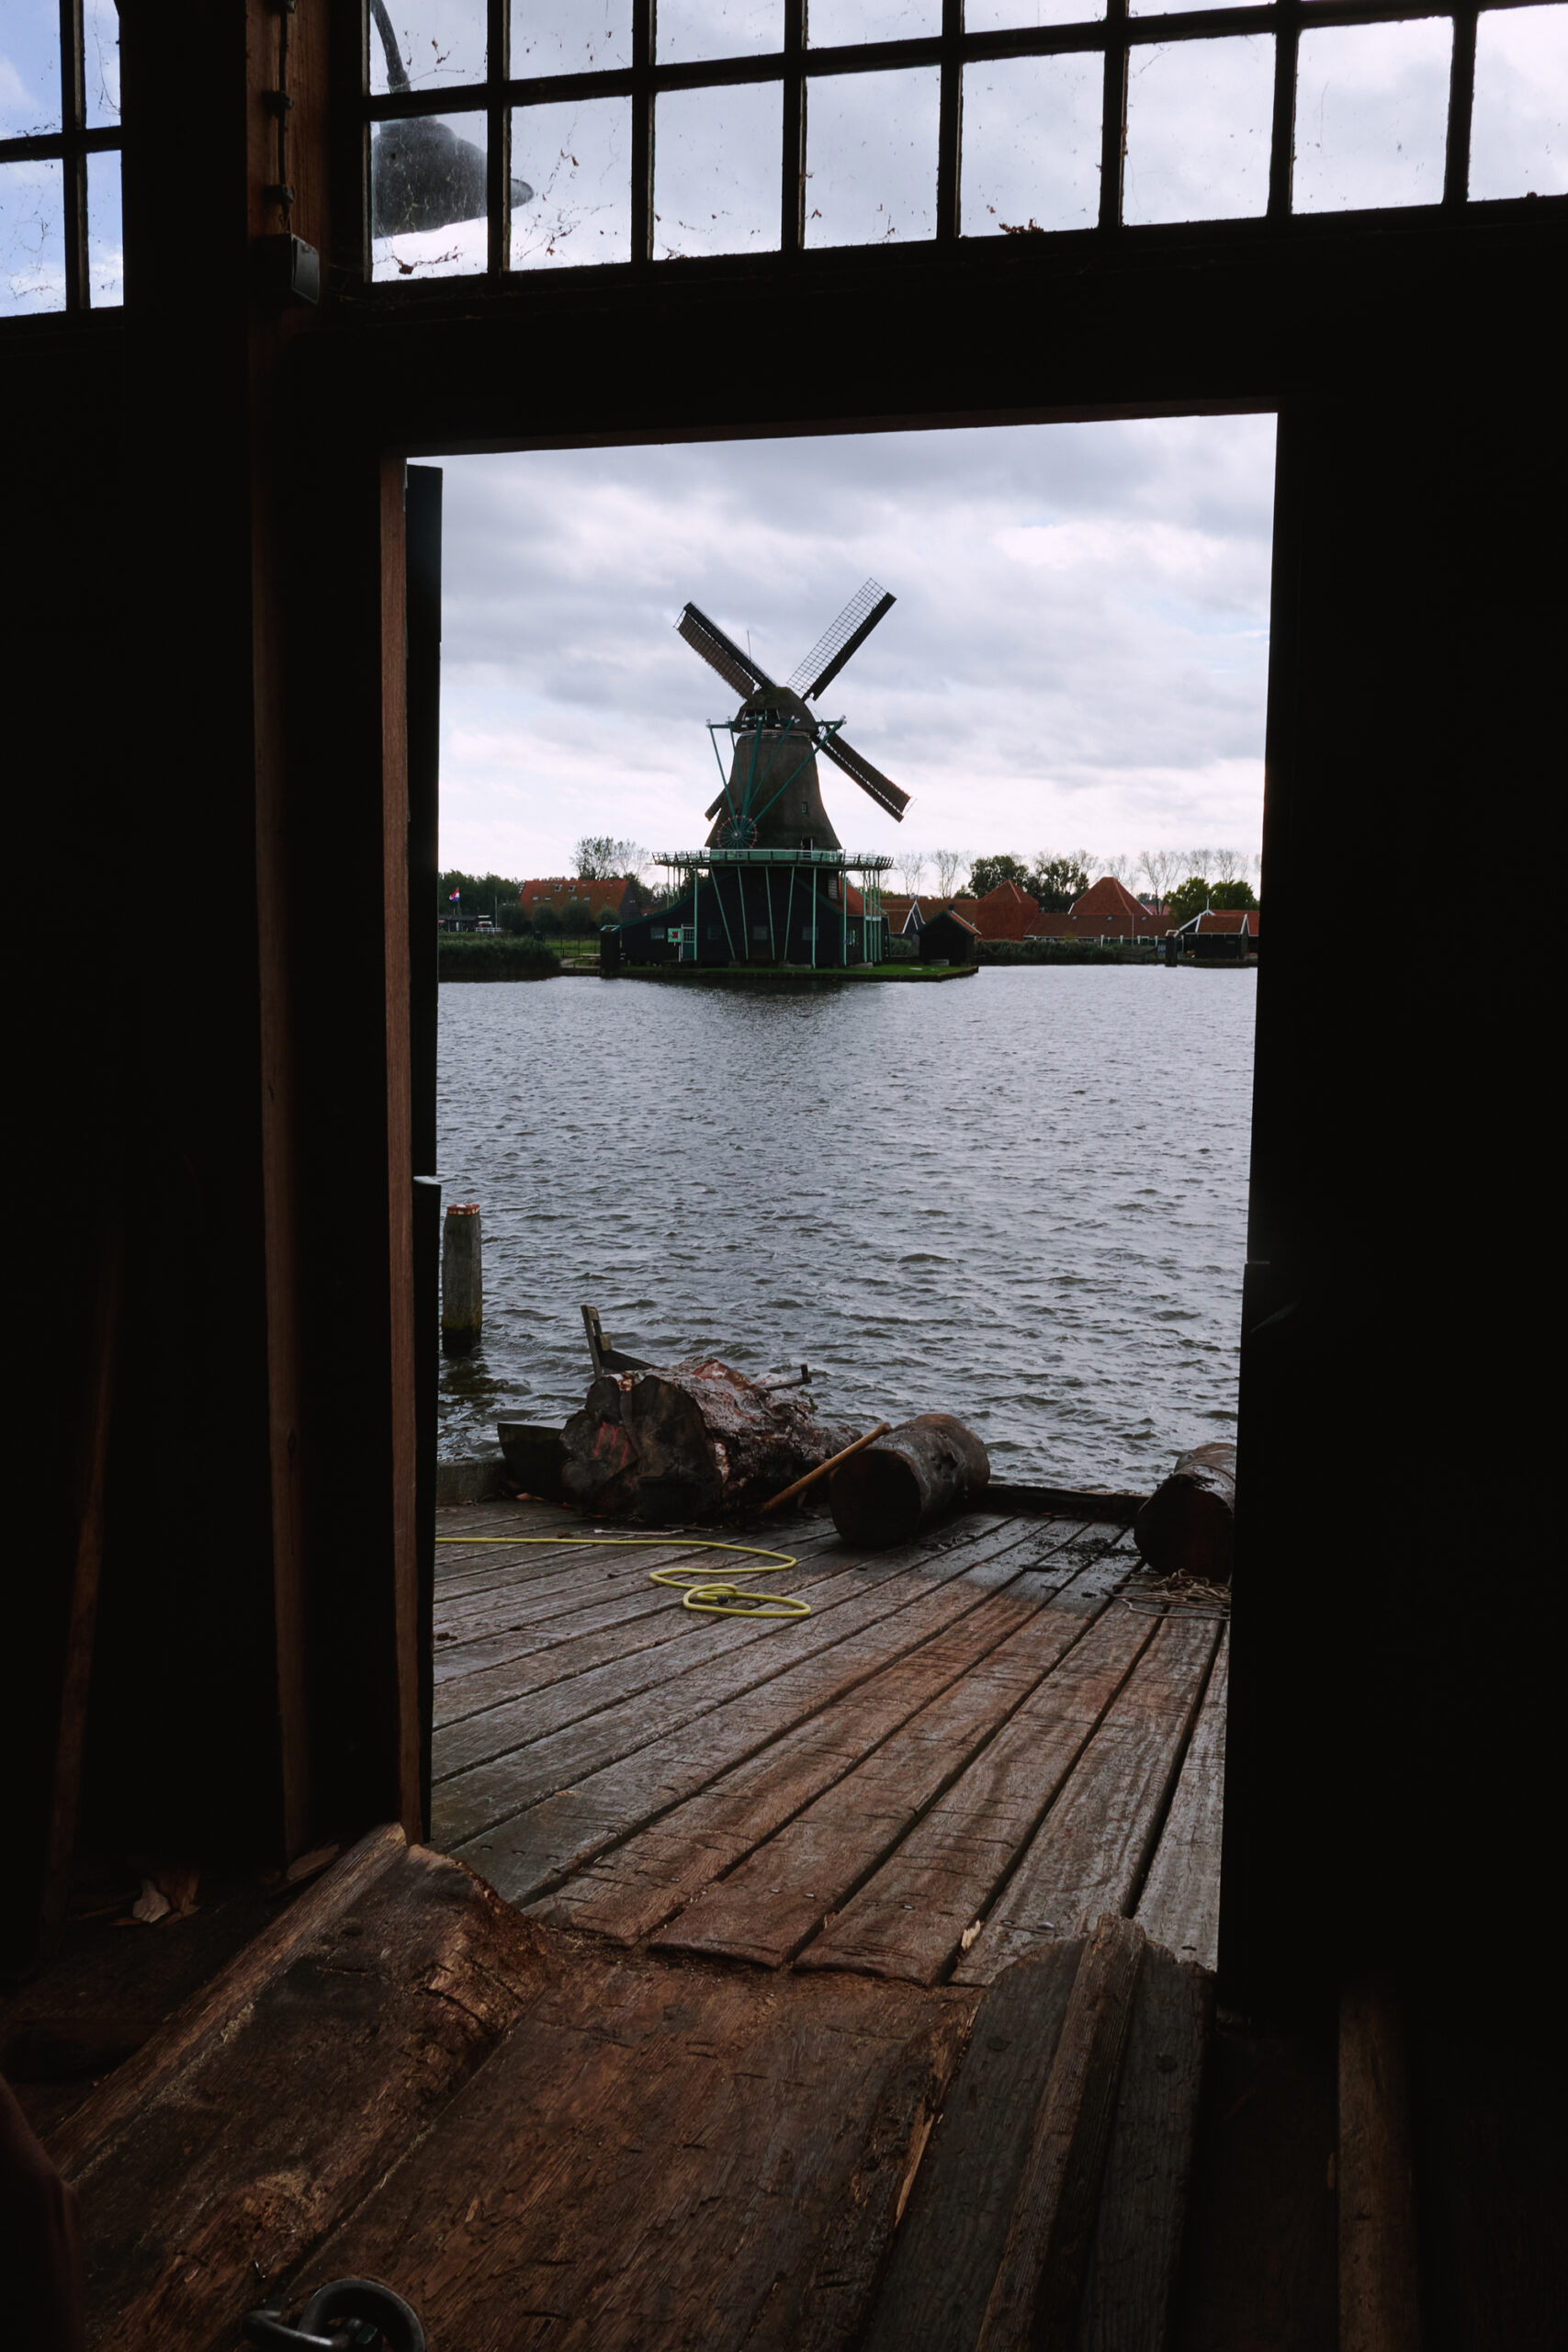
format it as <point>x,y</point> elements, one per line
<point>696,1440</point>
<point>907,1479</point>
<point>1188,1526</point>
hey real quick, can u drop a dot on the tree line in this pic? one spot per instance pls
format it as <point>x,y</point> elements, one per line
<point>1183,881</point>
<point>597,857</point>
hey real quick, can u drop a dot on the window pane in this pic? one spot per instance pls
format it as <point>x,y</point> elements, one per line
<point>871,141</point>
<point>716,170</point>
<point>1199,121</point>
<point>32,238</point>
<point>1518,134</point>
<point>425,44</point>
<point>570,36</point>
<point>1032,15</point>
<point>1371,115</point>
<point>100,63</point>
<point>840,24</point>
<point>427,197</point>
<point>1031,144</point>
<point>29,69</point>
<point>105,243</point>
<point>577,160</point>
<point>688,30</point>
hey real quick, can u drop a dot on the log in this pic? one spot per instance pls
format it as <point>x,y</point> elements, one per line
<point>1188,1526</point>
<point>918,1470</point>
<point>696,1440</point>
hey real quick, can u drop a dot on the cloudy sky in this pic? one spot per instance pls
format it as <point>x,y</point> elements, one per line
<point>1077,657</point>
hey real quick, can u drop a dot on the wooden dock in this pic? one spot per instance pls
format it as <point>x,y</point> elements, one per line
<point>834,1984</point>
<point>970,1749</point>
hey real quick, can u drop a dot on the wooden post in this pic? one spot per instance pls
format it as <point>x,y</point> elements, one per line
<point>462,1283</point>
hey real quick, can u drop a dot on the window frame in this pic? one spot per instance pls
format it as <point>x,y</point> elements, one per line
<point>70,145</point>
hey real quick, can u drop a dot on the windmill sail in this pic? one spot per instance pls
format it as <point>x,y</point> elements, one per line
<point>721,653</point>
<point>870,780</point>
<point>869,605</point>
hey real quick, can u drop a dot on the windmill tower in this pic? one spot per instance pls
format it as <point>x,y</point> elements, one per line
<point>772,882</point>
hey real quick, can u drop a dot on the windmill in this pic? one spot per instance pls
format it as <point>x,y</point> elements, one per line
<point>771,884</point>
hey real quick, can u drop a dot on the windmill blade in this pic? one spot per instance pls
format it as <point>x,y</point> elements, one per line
<point>711,811</point>
<point>869,605</point>
<point>870,780</point>
<point>721,653</point>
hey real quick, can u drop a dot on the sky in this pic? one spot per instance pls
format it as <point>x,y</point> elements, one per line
<point>1077,660</point>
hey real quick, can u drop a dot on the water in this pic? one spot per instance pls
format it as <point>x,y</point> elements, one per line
<point>1019,1198</point>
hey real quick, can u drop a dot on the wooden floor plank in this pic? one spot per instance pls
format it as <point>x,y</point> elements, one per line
<point>792,1886</point>
<point>909,1918</point>
<point>532,1851</point>
<point>570,1681</point>
<point>632,1890</point>
<point>1136,2251</point>
<point>1179,1907</point>
<point>946,2255</point>
<point>659,2158</point>
<point>1090,1851</point>
<point>252,2144</point>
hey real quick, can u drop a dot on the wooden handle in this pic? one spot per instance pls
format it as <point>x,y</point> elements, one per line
<point>831,1463</point>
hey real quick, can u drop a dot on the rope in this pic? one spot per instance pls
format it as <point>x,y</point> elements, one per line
<point>706,1595</point>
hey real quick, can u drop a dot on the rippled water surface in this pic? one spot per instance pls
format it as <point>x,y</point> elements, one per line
<point>1019,1198</point>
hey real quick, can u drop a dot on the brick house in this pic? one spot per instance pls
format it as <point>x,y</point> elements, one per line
<point>1107,911</point>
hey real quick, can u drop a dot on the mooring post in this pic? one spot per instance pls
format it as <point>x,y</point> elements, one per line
<point>462,1279</point>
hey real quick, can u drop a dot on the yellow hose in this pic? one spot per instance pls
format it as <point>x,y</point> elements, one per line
<point>708,1597</point>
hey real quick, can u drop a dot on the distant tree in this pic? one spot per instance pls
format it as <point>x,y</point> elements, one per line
<point>1226,865</point>
<point>1118,867</point>
<point>1232,896</point>
<point>577,920</point>
<point>1054,882</point>
<point>547,921</point>
<point>950,867</point>
<point>909,865</point>
<point>1189,898</point>
<point>1158,868</point>
<point>600,857</point>
<point>479,894</point>
<point>987,871</point>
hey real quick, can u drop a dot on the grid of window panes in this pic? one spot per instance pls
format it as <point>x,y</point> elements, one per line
<point>511,135</point>
<point>60,247</point>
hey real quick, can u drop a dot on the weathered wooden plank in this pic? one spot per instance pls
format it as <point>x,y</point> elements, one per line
<point>745,1654</point>
<point>535,1850</point>
<point>1380,2283</point>
<point>661,2157</point>
<point>787,1889</point>
<point>945,2256</point>
<point>1035,2294</point>
<point>92,2131</point>
<point>910,1916</point>
<point>635,1887</point>
<point>656,1651</point>
<point>1091,1850</point>
<point>1179,1907</point>
<point>332,2055</point>
<point>1133,2264</point>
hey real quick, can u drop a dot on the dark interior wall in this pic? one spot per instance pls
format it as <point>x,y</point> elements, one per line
<point>201,491</point>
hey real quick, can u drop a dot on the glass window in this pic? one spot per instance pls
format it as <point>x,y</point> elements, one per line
<point>32,238</point>
<point>1199,115</point>
<point>1032,144</point>
<point>1371,115</point>
<point>1031,16</point>
<point>576,163</point>
<point>841,24</point>
<point>718,156</point>
<point>1518,136</point>
<point>570,36</point>
<point>29,69</point>
<point>427,197</point>
<point>100,63</point>
<point>425,44</point>
<point>690,30</point>
<point>105,242</point>
<point>871,143</point>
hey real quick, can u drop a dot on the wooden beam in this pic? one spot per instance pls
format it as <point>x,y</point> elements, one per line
<point>1379,2282</point>
<point>402,1401</point>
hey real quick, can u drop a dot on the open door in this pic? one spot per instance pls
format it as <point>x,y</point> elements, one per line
<point>423,524</point>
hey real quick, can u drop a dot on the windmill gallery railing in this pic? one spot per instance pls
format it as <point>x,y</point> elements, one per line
<point>830,930</point>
